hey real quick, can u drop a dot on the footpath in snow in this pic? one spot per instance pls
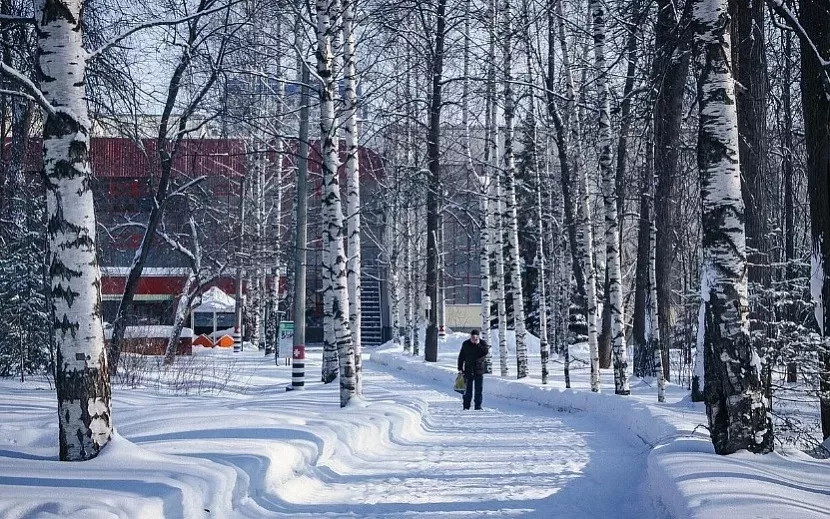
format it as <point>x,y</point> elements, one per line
<point>683,473</point>
<point>253,450</point>
<point>256,451</point>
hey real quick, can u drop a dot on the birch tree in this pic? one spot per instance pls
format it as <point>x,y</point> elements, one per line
<point>736,406</point>
<point>483,185</point>
<point>335,262</point>
<point>614,297</point>
<point>510,218</point>
<point>353,182</point>
<point>81,373</point>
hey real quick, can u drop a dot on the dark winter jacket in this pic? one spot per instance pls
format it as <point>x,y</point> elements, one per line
<point>471,358</point>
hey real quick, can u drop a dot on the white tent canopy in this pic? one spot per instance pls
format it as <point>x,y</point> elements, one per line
<point>215,300</point>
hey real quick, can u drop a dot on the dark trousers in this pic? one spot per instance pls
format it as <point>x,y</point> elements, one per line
<point>469,380</point>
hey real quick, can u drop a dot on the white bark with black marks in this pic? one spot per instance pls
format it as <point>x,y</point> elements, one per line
<point>511,221</point>
<point>736,406</point>
<point>614,298</point>
<point>82,378</point>
<point>352,183</point>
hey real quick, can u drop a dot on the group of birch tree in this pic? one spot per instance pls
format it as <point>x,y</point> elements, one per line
<point>639,177</point>
<point>616,164</point>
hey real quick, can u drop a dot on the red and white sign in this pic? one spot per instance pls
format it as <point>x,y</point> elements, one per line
<point>299,352</point>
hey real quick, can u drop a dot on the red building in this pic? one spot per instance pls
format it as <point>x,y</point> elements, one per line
<point>126,173</point>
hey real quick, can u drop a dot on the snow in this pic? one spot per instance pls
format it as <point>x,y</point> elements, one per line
<point>405,450</point>
<point>149,331</point>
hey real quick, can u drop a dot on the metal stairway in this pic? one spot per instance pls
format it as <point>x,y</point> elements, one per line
<point>371,325</point>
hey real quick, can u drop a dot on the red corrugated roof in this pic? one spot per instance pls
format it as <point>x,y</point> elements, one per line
<point>114,157</point>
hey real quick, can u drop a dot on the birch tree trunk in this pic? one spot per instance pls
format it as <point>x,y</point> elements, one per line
<point>544,349</point>
<point>490,206</point>
<point>613,298</point>
<point>590,275</point>
<point>417,282</point>
<point>736,406</point>
<point>353,183</point>
<point>498,248</point>
<point>651,333</point>
<point>483,182</point>
<point>186,299</point>
<point>641,329</point>
<point>339,338</point>
<point>511,213</point>
<point>82,379</point>
<point>272,323</point>
<point>577,167</point>
<point>407,281</point>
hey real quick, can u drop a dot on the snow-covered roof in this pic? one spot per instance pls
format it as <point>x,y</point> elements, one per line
<point>215,300</point>
<point>147,271</point>
<point>149,331</point>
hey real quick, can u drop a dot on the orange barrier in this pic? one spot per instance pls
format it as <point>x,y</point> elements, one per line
<point>226,341</point>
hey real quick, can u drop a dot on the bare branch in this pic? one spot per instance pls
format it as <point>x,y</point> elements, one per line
<point>156,23</point>
<point>33,91</point>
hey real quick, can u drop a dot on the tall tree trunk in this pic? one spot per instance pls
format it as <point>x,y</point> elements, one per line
<point>654,346</point>
<point>641,329</point>
<point>165,154</point>
<point>670,68</point>
<point>272,323</point>
<point>613,297</point>
<point>338,310</point>
<point>511,212</point>
<point>407,280</point>
<point>417,280</point>
<point>434,182</point>
<point>498,251</point>
<point>491,200</point>
<point>736,406</point>
<point>749,68</point>
<point>353,185</point>
<point>82,379</point>
<point>544,348</point>
<point>186,299</point>
<point>568,141</point>
<point>815,98</point>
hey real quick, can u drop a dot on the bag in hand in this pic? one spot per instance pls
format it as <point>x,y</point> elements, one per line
<point>460,384</point>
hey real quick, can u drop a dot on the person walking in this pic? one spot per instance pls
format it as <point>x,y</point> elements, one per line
<point>472,363</point>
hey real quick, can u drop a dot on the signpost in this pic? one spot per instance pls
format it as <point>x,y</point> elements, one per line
<point>285,341</point>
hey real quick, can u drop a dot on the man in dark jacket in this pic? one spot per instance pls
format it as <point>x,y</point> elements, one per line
<point>472,363</point>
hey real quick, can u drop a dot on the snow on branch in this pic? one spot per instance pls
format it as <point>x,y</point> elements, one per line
<point>157,23</point>
<point>781,10</point>
<point>31,89</point>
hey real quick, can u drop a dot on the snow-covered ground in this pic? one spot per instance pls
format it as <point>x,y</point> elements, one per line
<point>684,474</point>
<point>226,440</point>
